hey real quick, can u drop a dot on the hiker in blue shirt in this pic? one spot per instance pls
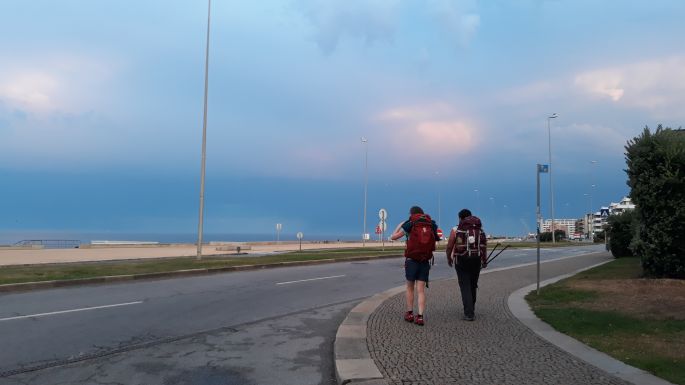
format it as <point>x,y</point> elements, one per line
<point>421,233</point>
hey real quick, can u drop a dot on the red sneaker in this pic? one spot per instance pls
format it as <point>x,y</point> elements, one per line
<point>409,316</point>
<point>419,320</point>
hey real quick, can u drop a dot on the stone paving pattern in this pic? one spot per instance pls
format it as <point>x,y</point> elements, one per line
<point>494,349</point>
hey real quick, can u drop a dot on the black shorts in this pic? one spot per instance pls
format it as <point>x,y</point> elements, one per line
<point>416,271</point>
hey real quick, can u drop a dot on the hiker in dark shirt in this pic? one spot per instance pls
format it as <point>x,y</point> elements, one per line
<point>467,250</point>
<point>421,233</point>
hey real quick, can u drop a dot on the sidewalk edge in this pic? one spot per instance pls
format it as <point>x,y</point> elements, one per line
<point>522,311</point>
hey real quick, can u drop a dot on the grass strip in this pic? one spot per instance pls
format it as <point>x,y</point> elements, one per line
<point>70,271</point>
<point>654,345</point>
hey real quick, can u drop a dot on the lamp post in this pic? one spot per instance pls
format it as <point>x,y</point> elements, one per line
<point>588,216</point>
<point>437,174</point>
<point>551,189</point>
<point>366,183</point>
<point>204,140</point>
<point>592,192</point>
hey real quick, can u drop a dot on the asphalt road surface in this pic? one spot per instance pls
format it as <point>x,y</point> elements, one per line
<point>271,326</point>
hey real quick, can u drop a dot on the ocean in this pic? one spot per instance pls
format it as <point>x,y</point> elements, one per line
<point>10,237</point>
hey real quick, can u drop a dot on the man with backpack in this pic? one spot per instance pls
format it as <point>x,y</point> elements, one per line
<point>467,249</point>
<point>422,233</point>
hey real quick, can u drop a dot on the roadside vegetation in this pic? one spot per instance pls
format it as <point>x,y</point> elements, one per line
<point>633,308</point>
<point>70,271</point>
<point>656,176</point>
<point>612,308</point>
<point>81,270</point>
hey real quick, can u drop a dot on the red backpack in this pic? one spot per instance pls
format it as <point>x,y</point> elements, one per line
<point>471,239</point>
<point>421,242</point>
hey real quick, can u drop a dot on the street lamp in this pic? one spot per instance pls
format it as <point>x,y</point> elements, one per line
<point>204,140</point>
<point>588,216</point>
<point>437,174</point>
<point>592,192</point>
<point>551,189</point>
<point>366,182</point>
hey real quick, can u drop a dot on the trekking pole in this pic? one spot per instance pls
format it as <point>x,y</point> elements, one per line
<point>493,250</point>
<point>497,255</point>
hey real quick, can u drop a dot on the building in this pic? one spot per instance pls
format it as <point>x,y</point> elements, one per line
<point>597,220</point>
<point>567,225</point>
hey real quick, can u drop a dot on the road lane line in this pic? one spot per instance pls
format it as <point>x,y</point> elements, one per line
<point>310,279</point>
<point>70,311</point>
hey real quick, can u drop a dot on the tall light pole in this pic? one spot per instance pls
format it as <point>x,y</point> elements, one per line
<point>588,216</point>
<point>204,140</point>
<point>437,174</point>
<point>551,189</point>
<point>366,182</point>
<point>592,192</point>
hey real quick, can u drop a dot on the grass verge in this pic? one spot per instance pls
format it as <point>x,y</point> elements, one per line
<point>592,308</point>
<point>70,271</point>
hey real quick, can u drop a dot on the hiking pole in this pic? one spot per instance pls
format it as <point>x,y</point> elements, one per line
<point>493,250</point>
<point>497,255</point>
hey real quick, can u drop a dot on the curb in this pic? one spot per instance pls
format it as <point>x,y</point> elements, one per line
<point>520,309</point>
<point>26,286</point>
<point>353,362</point>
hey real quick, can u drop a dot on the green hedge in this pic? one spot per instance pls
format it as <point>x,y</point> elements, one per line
<point>622,228</point>
<point>656,176</point>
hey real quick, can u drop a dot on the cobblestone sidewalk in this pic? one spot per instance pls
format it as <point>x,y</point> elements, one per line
<point>494,349</point>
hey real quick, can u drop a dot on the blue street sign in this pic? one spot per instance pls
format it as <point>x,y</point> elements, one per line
<point>544,168</point>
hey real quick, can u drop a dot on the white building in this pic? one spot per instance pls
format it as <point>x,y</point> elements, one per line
<point>599,218</point>
<point>567,225</point>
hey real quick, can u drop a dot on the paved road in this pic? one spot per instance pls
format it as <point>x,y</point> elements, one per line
<point>218,326</point>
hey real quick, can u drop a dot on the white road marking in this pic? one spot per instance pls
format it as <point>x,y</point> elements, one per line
<point>70,311</point>
<point>310,279</point>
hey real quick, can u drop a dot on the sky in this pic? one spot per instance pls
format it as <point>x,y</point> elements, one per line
<point>101,106</point>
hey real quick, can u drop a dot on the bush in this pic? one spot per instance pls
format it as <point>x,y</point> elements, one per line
<point>599,237</point>
<point>622,228</point>
<point>547,236</point>
<point>656,176</point>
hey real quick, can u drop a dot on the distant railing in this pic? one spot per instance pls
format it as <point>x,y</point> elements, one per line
<point>50,243</point>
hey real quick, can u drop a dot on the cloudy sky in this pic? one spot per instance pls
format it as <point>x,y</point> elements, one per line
<point>101,110</point>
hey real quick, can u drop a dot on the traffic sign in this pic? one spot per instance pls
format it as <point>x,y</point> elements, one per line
<point>300,235</point>
<point>378,230</point>
<point>382,214</point>
<point>440,233</point>
<point>383,226</point>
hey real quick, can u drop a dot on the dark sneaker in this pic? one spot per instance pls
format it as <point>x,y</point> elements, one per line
<point>419,320</point>
<point>409,316</point>
<point>468,318</point>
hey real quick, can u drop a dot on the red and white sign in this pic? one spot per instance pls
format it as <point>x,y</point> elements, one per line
<point>378,229</point>
<point>440,233</point>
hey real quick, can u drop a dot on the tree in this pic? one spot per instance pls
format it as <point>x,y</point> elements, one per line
<point>599,237</point>
<point>656,176</point>
<point>622,229</point>
<point>547,235</point>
